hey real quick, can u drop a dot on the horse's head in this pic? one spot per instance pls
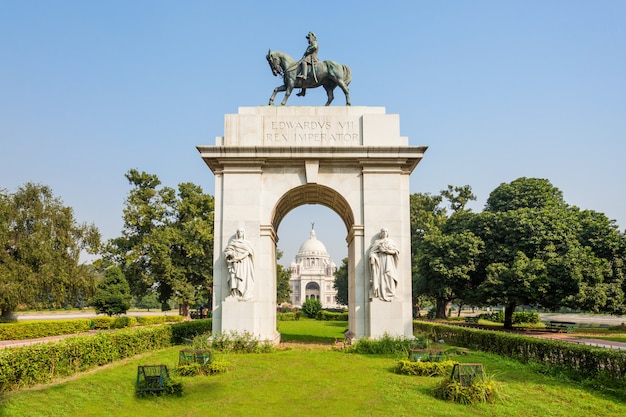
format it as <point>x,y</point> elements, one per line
<point>274,62</point>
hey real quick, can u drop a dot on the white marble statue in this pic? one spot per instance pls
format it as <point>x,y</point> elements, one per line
<point>240,260</point>
<point>383,256</point>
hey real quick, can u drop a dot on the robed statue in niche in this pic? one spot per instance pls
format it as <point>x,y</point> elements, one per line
<point>383,257</point>
<point>309,72</point>
<point>239,257</point>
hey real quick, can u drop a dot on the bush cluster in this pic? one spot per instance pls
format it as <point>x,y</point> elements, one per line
<point>479,391</point>
<point>577,361</point>
<point>212,368</point>
<point>386,344</point>
<point>407,367</point>
<point>289,316</point>
<point>517,318</point>
<point>237,342</point>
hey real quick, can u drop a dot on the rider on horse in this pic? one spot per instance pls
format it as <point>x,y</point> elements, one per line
<point>309,58</point>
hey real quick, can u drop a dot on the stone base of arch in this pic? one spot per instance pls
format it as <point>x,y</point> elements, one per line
<point>349,159</point>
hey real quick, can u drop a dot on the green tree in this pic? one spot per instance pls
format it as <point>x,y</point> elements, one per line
<point>41,247</point>
<point>341,283</point>
<point>443,256</point>
<point>113,293</point>
<point>148,301</point>
<point>446,262</point>
<point>311,307</point>
<point>539,250</point>
<point>167,240</point>
<point>283,290</point>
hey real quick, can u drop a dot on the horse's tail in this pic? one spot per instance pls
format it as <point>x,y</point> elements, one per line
<point>347,74</point>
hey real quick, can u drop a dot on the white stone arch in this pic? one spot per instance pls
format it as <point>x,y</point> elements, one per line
<point>349,159</point>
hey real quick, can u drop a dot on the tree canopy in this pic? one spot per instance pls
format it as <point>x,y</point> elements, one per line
<point>41,248</point>
<point>528,247</point>
<point>167,240</point>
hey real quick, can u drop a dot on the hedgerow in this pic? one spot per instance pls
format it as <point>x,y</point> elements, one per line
<point>40,363</point>
<point>575,360</point>
<point>331,316</point>
<point>43,328</point>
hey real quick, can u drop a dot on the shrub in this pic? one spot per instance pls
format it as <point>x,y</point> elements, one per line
<point>212,368</point>
<point>125,321</point>
<point>311,307</point>
<point>174,386</point>
<point>407,367</point>
<point>518,317</point>
<point>185,331</point>
<point>479,391</point>
<point>386,344</point>
<point>102,323</point>
<point>291,316</point>
<point>236,342</point>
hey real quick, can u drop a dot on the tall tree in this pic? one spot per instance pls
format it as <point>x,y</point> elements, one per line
<point>167,240</point>
<point>444,253</point>
<point>41,246</point>
<point>539,250</point>
<point>445,264</point>
<point>341,283</point>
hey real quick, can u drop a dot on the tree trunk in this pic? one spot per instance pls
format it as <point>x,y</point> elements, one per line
<point>7,316</point>
<point>442,308</point>
<point>508,315</point>
<point>459,313</point>
<point>183,310</point>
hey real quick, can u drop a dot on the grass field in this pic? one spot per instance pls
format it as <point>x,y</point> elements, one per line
<point>305,380</point>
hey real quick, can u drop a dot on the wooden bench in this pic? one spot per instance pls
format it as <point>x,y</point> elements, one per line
<point>561,326</point>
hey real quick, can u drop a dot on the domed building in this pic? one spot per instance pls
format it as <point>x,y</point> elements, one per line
<point>313,274</point>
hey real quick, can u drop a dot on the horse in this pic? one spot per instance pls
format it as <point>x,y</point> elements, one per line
<point>328,74</point>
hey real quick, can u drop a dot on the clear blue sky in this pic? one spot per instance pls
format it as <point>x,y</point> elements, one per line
<point>497,90</point>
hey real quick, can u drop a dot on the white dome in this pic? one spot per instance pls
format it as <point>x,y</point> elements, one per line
<point>312,246</point>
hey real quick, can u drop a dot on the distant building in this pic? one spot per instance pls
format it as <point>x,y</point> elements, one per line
<point>312,274</point>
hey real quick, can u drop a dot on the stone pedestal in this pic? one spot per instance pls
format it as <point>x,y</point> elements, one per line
<point>352,160</point>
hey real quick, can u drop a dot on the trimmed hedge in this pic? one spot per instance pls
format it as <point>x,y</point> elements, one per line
<point>44,328</point>
<point>580,361</point>
<point>41,362</point>
<point>331,316</point>
<point>289,316</point>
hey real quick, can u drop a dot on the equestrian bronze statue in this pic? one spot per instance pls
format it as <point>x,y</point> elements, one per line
<point>328,74</point>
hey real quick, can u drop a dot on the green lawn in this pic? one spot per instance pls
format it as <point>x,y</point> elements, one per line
<point>305,381</point>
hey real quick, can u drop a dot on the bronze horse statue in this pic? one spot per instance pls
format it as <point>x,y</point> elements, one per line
<point>328,74</point>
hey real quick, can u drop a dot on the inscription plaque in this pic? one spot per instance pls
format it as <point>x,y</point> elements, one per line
<point>315,130</point>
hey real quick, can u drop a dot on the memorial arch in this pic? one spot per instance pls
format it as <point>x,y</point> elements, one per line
<point>349,159</point>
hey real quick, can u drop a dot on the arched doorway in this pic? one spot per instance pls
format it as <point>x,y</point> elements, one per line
<point>312,290</point>
<point>349,159</point>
